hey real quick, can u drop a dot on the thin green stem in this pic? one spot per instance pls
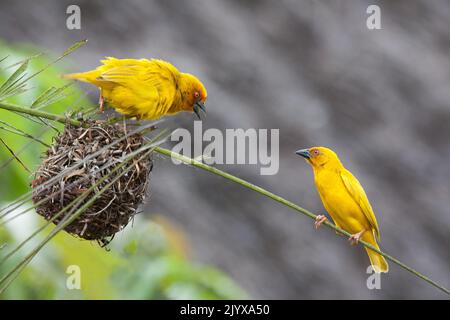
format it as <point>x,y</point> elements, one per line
<point>39,113</point>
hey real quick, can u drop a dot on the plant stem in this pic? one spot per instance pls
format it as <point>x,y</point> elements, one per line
<point>234,179</point>
<point>39,113</point>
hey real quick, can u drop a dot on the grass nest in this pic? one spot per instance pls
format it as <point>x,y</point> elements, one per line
<point>79,158</point>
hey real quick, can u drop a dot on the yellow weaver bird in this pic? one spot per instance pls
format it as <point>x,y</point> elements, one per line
<point>145,89</point>
<point>345,200</point>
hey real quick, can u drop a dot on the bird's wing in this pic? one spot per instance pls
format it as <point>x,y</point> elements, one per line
<point>359,195</point>
<point>148,79</point>
<point>128,74</point>
<point>149,84</point>
<point>151,73</point>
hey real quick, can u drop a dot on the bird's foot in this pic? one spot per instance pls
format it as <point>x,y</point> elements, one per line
<point>101,103</point>
<point>124,120</point>
<point>319,220</point>
<point>354,238</point>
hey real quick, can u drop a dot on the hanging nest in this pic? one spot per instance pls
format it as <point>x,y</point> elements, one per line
<point>79,148</point>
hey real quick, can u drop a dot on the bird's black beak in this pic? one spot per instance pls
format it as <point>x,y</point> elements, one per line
<point>304,153</point>
<point>199,106</point>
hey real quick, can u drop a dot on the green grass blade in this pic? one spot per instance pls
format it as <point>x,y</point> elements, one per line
<point>11,83</point>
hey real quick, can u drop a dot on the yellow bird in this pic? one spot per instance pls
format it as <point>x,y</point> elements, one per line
<point>345,200</point>
<point>145,89</point>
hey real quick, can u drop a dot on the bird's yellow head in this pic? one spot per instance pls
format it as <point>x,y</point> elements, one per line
<point>194,94</point>
<point>319,156</point>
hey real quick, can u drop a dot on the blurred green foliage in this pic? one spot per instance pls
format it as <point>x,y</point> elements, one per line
<point>142,263</point>
<point>148,260</point>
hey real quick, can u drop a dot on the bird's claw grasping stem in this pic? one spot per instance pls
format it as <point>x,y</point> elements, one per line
<point>354,238</point>
<point>101,102</point>
<point>319,220</point>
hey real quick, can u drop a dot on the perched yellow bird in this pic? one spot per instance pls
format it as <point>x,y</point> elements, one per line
<point>345,200</point>
<point>145,89</point>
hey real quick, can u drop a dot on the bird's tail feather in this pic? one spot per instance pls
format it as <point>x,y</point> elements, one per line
<point>379,263</point>
<point>89,76</point>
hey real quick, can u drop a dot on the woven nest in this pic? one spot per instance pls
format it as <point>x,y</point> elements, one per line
<point>83,151</point>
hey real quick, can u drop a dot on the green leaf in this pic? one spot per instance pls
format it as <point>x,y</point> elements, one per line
<point>24,60</point>
<point>9,84</point>
<point>14,155</point>
<point>74,47</point>
<point>50,96</point>
<point>4,58</point>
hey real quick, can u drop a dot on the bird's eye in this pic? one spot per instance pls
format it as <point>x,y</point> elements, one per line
<point>315,152</point>
<point>196,95</point>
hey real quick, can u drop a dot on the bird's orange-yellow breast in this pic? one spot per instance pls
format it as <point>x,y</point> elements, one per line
<point>341,206</point>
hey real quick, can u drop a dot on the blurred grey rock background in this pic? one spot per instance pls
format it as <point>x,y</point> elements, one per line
<point>380,98</point>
